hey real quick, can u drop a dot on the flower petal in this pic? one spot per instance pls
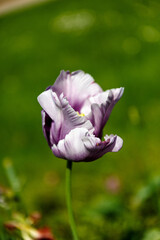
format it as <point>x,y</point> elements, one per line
<point>72,147</point>
<point>99,107</point>
<point>76,87</point>
<point>80,145</point>
<point>62,115</point>
<point>72,120</point>
<point>52,107</point>
<point>46,126</point>
<point>112,143</point>
<point>117,143</point>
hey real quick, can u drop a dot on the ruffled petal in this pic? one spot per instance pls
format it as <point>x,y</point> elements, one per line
<point>72,119</point>
<point>99,107</point>
<point>112,143</point>
<point>117,143</point>
<point>76,87</point>
<point>63,117</point>
<point>51,104</point>
<point>72,147</point>
<point>52,107</point>
<point>80,145</point>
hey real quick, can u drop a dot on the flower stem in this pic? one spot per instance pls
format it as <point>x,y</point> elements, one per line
<point>68,198</point>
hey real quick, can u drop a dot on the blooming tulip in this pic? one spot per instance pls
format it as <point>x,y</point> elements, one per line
<point>75,110</point>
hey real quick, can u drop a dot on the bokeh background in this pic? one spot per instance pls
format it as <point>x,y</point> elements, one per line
<point>118,42</point>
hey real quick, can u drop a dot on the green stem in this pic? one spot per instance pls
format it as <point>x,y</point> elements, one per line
<point>69,202</point>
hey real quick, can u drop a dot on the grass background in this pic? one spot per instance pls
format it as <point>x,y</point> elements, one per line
<point>118,43</point>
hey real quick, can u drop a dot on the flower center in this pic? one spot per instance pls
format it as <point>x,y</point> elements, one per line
<point>80,114</point>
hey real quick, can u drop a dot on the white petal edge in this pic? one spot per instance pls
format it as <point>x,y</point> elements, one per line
<point>50,103</point>
<point>118,142</point>
<point>112,95</point>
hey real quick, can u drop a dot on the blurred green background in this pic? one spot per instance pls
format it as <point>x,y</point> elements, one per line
<point>118,43</point>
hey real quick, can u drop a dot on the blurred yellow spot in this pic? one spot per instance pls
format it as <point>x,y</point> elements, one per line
<point>133,114</point>
<point>80,114</point>
<point>7,162</point>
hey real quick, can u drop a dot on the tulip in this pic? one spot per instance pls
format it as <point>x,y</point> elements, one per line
<point>75,111</point>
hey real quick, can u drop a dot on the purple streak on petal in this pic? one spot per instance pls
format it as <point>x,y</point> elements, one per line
<point>100,107</point>
<point>117,143</point>
<point>117,94</point>
<point>46,126</point>
<point>96,118</point>
<point>76,87</point>
<point>51,105</point>
<point>63,116</point>
<point>112,143</point>
<point>49,129</point>
<point>79,145</point>
<point>48,88</point>
<point>72,147</point>
<point>71,119</point>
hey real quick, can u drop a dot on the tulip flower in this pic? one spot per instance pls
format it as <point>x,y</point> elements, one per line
<point>75,110</point>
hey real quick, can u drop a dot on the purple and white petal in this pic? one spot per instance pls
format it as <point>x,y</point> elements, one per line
<point>112,143</point>
<point>51,105</point>
<point>99,107</point>
<point>99,99</point>
<point>64,117</point>
<point>72,146</point>
<point>46,126</point>
<point>117,143</point>
<point>79,145</point>
<point>76,87</point>
<point>71,119</point>
<point>116,95</point>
